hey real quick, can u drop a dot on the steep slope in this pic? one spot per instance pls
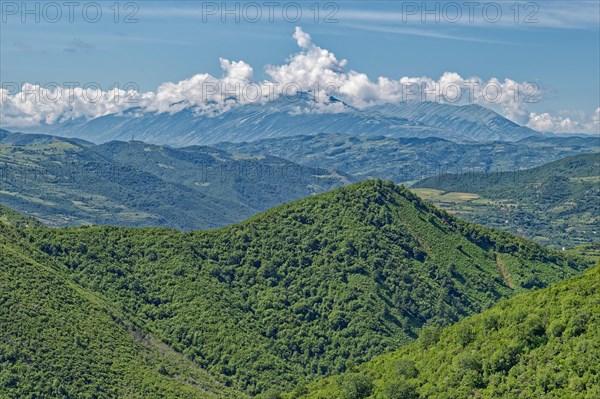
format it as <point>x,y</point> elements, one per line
<point>539,344</point>
<point>408,159</point>
<point>59,340</point>
<point>556,203</point>
<point>473,121</point>
<point>63,183</point>
<point>307,289</point>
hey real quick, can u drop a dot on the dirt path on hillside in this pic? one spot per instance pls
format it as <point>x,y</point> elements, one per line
<point>502,268</point>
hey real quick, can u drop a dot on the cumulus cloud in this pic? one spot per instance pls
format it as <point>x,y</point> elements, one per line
<point>312,70</point>
<point>33,104</point>
<point>318,70</point>
<point>567,122</point>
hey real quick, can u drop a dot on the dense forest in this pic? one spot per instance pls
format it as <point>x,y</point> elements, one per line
<point>542,344</point>
<point>62,341</point>
<point>308,289</point>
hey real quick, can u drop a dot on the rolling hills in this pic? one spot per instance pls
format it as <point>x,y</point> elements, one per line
<point>308,289</point>
<point>72,182</point>
<point>408,159</point>
<point>554,204</point>
<point>538,344</point>
<point>64,182</point>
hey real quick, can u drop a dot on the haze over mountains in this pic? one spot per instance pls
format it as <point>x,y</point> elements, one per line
<point>293,115</point>
<point>67,182</point>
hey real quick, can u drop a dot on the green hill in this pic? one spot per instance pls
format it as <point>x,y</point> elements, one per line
<point>542,344</point>
<point>554,204</point>
<point>64,183</point>
<point>305,290</point>
<point>62,341</point>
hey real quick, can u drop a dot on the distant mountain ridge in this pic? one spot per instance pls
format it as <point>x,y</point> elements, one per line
<point>407,159</point>
<point>289,116</point>
<point>474,121</point>
<point>21,139</point>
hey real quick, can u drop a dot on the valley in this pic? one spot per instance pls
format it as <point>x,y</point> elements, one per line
<point>305,200</point>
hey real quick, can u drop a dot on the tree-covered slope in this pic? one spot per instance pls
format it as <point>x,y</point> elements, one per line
<point>306,289</point>
<point>512,183</point>
<point>555,204</point>
<point>135,184</point>
<point>59,340</point>
<point>541,344</point>
<point>413,158</point>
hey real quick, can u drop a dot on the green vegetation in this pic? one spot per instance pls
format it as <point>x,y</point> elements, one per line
<point>410,159</point>
<point>589,251</point>
<point>305,290</point>
<point>538,344</point>
<point>555,204</point>
<point>62,341</point>
<point>63,183</point>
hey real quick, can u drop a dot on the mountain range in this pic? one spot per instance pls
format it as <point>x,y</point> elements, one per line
<point>73,182</point>
<point>473,121</point>
<point>408,159</point>
<point>289,116</point>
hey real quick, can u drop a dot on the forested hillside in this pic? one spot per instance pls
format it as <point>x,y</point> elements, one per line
<point>307,289</point>
<point>554,204</point>
<point>63,183</point>
<point>412,158</point>
<point>542,344</point>
<point>62,341</point>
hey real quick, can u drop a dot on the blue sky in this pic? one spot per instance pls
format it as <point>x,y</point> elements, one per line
<point>552,43</point>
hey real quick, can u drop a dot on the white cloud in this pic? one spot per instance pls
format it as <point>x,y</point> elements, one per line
<point>313,69</point>
<point>568,122</point>
<point>35,104</point>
